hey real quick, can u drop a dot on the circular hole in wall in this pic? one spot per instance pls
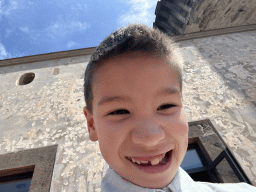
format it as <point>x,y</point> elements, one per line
<point>26,78</point>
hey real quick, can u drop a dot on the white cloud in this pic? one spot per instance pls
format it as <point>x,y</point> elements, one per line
<point>6,10</point>
<point>62,28</point>
<point>71,44</point>
<point>8,32</point>
<point>3,53</point>
<point>139,11</point>
<point>78,25</point>
<point>77,7</point>
<point>24,29</point>
<point>58,28</point>
<point>10,7</point>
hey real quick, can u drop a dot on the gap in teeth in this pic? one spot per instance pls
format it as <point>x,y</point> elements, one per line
<point>153,161</point>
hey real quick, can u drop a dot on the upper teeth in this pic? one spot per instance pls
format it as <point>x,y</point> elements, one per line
<point>154,161</point>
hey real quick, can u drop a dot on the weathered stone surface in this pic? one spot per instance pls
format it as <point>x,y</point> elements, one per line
<point>220,84</point>
<point>209,14</point>
<point>49,111</point>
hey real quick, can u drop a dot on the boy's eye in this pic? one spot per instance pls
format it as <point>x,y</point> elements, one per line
<point>119,112</point>
<point>166,106</point>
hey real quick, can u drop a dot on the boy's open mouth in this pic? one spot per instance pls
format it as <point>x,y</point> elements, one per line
<point>155,164</point>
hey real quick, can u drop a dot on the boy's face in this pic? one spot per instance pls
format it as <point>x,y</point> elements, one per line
<point>137,116</point>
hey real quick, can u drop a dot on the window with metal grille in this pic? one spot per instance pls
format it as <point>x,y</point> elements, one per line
<point>28,170</point>
<point>208,158</point>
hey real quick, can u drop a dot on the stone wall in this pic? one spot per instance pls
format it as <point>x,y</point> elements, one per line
<point>214,14</point>
<point>220,84</point>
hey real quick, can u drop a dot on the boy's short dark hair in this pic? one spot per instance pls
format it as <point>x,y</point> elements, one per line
<point>134,37</point>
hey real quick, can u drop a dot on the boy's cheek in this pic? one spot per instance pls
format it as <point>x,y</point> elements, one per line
<point>119,127</point>
<point>113,127</point>
<point>183,117</point>
<point>176,122</point>
<point>182,120</point>
<point>110,135</point>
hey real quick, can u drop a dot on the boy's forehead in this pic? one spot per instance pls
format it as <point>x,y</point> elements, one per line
<point>139,60</point>
<point>128,65</point>
<point>128,58</point>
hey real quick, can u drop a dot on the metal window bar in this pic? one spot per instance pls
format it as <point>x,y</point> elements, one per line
<point>232,162</point>
<point>205,163</point>
<point>209,166</point>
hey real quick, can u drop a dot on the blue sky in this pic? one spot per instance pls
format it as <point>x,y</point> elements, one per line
<point>31,27</point>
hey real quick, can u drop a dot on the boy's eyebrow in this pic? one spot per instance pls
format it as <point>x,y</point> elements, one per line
<point>168,91</point>
<point>165,91</point>
<point>107,99</point>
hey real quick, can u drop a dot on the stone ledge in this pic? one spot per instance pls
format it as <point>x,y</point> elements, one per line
<point>47,56</point>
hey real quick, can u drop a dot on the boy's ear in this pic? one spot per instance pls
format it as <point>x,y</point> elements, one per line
<point>90,125</point>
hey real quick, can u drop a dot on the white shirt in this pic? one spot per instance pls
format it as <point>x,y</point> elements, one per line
<point>182,182</point>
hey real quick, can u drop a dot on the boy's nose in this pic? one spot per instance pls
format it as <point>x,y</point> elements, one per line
<point>147,133</point>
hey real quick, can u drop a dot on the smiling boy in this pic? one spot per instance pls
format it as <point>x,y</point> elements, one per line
<point>133,94</point>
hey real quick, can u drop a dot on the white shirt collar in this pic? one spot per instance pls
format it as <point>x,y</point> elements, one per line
<point>115,183</point>
<point>182,182</point>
